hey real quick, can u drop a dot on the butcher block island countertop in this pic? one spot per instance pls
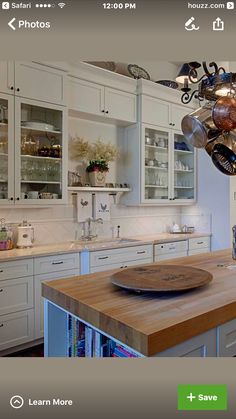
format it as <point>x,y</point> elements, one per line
<point>151,323</point>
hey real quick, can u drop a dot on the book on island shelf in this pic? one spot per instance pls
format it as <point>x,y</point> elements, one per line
<point>83,341</point>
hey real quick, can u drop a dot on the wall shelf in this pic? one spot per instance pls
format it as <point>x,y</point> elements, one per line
<point>96,189</point>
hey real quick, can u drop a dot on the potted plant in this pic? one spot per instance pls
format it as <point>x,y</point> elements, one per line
<point>97,156</point>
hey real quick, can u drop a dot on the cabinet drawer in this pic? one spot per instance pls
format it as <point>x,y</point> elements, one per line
<point>173,247</point>
<point>199,242</point>
<point>158,258</point>
<point>121,265</point>
<point>226,335</point>
<point>107,257</point>
<point>16,295</point>
<point>16,329</point>
<point>198,251</point>
<point>16,269</point>
<point>56,263</point>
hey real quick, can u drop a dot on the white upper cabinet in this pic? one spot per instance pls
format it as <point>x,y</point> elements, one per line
<point>177,112</point>
<point>7,77</point>
<point>95,99</point>
<point>85,96</point>
<point>39,82</point>
<point>155,112</point>
<point>162,113</point>
<point>120,105</point>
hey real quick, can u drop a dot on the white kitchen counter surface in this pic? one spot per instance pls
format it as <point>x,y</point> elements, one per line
<point>79,246</point>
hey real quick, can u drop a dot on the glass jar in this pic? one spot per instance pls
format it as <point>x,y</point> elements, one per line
<point>6,242</point>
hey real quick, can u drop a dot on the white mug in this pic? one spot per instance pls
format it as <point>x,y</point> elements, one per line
<point>33,194</point>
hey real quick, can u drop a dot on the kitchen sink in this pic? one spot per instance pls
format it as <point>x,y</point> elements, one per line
<point>105,243</point>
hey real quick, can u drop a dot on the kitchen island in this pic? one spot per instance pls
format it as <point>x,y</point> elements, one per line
<point>201,322</point>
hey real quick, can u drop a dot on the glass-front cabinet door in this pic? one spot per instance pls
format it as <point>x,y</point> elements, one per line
<point>6,149</point>
<point>184,169</point>
<point>40,171</point>
<point>156,161</point>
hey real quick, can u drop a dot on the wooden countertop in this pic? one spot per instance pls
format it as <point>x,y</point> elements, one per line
<point>151,323</point>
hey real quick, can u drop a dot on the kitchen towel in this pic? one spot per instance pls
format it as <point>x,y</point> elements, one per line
<point>84,206</point>
<point>102,206</point>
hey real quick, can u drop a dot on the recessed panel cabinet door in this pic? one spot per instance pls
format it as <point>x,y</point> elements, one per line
<point>35,81</point>
<point>177,114</point>
<point>7,77</point>
<point>155,112</point>
<point>120,105</point>
<point>86,97</point>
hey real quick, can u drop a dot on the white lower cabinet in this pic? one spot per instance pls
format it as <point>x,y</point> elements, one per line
<point>201,346</point>
<point>16,295</point>
<point>39,307</point>
<point>16,329</point>
<point>120,265</point>
<point>226,337</point>
<point>104,260</point>
<point>170,250</point>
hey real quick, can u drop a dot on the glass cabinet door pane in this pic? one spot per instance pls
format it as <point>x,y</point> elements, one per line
<point>156,164</point>
<point>183,168</point>
<point>41,152</point>
<point>3,149</point>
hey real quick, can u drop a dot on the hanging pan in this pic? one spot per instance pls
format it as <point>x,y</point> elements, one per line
<point>198,127</point>
<point>223,155</point>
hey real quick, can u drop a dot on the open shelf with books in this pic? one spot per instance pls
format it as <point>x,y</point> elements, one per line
<point>86,342</point>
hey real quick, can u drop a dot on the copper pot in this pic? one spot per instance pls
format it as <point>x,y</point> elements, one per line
<point>224,113</point>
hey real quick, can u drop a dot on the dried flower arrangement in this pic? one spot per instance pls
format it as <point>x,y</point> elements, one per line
<point>98,154</point>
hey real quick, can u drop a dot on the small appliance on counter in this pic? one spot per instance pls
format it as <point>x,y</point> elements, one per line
<point>6,242</point>
<point>176,229</point>
<point>25,235</point>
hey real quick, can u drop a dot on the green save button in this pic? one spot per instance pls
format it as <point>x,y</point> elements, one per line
<point>202,397</point>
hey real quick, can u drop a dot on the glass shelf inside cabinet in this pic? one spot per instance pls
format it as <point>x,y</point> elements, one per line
<point>41,152</point>
<point>3,149</point>
<point>156,164</point>
<point>183,168</point>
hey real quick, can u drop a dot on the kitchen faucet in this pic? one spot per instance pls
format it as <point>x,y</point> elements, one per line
<point>89,235</point>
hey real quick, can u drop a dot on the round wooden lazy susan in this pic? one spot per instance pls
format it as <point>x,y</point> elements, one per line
<point>161,278</point>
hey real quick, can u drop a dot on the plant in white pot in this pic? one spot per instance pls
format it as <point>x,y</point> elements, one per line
<point>97,156</point>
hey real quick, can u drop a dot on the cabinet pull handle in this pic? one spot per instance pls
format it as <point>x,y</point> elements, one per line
<point>1,271</point>
<point>171,248</point>
<point>58,263</point>
<point>125,266</point>
<point>141,252</point>
<point>200,242</point>
<point>103,257</point>
<point>1,325</point>
<point>1,290</point>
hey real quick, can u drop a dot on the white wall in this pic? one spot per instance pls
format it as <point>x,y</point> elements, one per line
<point>213,199</point>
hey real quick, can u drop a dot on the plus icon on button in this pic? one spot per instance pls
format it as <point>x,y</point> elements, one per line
<point>191,397</point>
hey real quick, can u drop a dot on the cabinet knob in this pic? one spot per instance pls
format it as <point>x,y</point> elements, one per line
<point>103,110</point>
<point>12,87</point>
<point>1,325</point>
<point>1,290</point>
<point>107,112</point>
<point>17,89</point>
<point>11,199</point>
<point>17,198</point>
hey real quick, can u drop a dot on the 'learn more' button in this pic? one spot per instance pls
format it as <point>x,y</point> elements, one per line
<point>202,397</point>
